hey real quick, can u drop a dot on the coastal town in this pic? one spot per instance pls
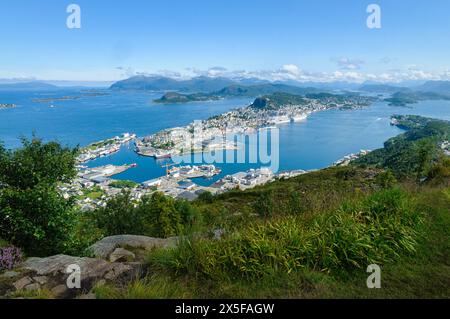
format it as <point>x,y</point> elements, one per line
<point>202,136</point>
<point>94,186</point>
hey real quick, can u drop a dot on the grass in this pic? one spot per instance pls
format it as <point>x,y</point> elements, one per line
<point>36,294</point>
<point>152,287</point>
<point>376,230</point>
<point>123,184</point>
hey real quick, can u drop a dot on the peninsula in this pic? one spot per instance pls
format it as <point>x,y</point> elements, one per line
<point>266,111</point>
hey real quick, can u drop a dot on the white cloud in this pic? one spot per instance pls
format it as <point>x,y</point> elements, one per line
<point>287,72</point>
<point>291,69</point>
<point>345,63</point>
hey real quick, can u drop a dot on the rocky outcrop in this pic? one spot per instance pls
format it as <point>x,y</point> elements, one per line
<point>112,263</point>
<point>53,272</point>
<point>107,245</point>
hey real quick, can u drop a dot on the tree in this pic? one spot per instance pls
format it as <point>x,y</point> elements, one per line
<point>120,216</point>
<point>33,215</point>
<point>161,215</point>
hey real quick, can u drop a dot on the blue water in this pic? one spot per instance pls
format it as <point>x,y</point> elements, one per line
<point>316,143</point>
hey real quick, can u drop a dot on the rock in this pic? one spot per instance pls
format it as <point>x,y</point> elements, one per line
<point>92,270</point>
<point>126,272</point>
<point>107,245</point>
<point>42,280</point>
<point>61,291</point>
<point>9,274</point>
<point>121,255</point>
<point>22,283</point>
<point>33,287</point>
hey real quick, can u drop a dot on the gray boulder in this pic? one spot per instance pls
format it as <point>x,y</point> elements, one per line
<point>92,270</point>
<point>121,255</point>
<point>106,246</point>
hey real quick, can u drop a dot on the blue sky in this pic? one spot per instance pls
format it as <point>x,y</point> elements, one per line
<point>276,39</point>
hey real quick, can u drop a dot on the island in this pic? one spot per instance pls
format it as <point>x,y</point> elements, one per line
<point>174,97</point>
<point>406,98</point>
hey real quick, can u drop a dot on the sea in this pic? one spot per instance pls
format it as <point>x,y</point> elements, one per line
<point>79,116</point>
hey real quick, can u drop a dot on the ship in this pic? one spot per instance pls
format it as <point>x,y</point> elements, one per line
<point>299,118</point>
<point>163,155</point>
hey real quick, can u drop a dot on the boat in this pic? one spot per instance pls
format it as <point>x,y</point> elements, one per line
<point>163,155</point>
<point>299,118</point>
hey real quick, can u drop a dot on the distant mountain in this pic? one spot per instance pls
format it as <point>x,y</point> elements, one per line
<point>28,86</point>
<point>441,87</point>
<point>382,88</point>
<point>158,83</point>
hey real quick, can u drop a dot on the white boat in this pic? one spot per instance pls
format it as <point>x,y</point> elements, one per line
<point>299,118</point>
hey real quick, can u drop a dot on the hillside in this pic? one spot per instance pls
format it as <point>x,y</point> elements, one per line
<point>412,153</point>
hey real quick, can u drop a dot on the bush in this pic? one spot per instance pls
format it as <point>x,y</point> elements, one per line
<point>120,216</point>
<point>155,215</point>
<point>206,197</point>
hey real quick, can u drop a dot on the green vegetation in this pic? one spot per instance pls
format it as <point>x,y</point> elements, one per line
<point>3,243</point>
<point>96,145</point>
<point>413,153</point>
<point>277,100</point>
<point>93,193</point>
<point>33,215</point>
<point>123,184</point>
<point>174,97</point>
<point>155,215</point>
<point>306,252</point>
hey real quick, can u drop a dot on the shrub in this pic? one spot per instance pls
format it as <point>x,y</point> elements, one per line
<point>206,197</point>
<point>264,205</point>
<point>386,179</point>
<point>155,215</point>
<point>120,216</point>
